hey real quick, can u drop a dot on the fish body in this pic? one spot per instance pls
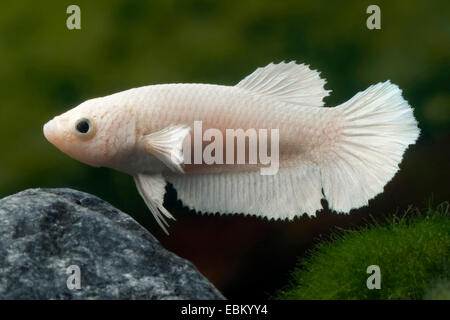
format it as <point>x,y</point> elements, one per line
<point>152,108</point>
<point>350,151</point>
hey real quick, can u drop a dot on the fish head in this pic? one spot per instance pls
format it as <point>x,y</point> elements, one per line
<point>92,133</point>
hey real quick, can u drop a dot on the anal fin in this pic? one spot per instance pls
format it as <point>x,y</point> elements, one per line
<point>285,195</point>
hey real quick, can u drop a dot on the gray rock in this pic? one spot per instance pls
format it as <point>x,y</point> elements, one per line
<point>44,231</point>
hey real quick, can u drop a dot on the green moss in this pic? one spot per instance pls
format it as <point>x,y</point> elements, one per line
<point>439,291</point>
<point>413,255</point>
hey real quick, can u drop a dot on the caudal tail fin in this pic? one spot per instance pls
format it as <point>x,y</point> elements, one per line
<point>376,127</point>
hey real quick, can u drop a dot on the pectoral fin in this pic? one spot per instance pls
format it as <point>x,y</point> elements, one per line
<point>167,145</point>
<point>152,190</point>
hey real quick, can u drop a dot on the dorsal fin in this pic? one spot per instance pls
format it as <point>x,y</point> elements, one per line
<point>288,82</point>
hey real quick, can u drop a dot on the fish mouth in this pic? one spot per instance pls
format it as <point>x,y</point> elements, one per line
<point>50,131</point>
<point>54,134</point>
<point>46,130</point>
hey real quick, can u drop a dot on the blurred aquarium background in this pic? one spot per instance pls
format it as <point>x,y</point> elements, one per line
<point>46,69</point>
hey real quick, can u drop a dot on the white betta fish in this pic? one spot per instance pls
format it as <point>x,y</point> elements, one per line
<point>344,154</point>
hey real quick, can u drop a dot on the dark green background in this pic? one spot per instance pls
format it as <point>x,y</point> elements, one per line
<point>47,69</point>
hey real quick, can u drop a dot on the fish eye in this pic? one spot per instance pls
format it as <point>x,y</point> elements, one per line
<point>83,127</point>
